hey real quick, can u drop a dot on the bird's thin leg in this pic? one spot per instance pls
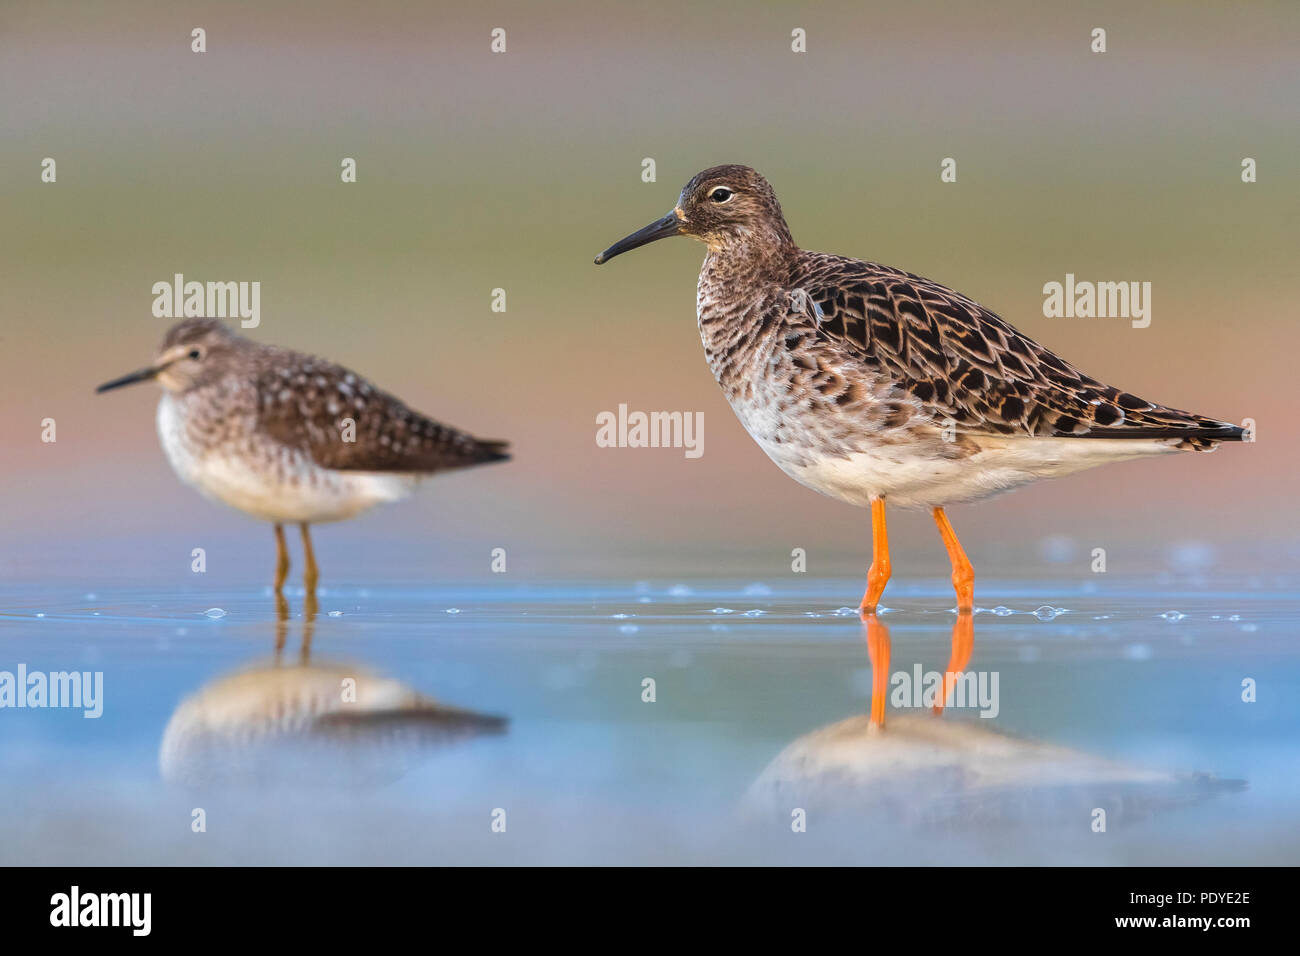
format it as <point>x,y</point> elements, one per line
<point>878,651</point>
<point>281,560</point>
<point>878,575</point>
<point>963,642</point>
<point>311,573</point>
<point>963,575</point>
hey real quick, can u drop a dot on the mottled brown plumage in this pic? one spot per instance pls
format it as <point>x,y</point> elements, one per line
<point>870,384</point>
<point>305,403</point>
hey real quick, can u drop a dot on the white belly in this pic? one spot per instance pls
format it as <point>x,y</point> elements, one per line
<point>285,487</point>
<point>905,476</point>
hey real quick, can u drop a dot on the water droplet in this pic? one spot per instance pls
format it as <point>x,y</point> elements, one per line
<point>755,613</point>
<point>722,610</point>
<point>452,610</point>
<point>1003,611</point>
<point>845,612</point>
<point>1234,617</point>
<point>215,613</point>
<point>40,613</point>
<point>1173,615</point>
<point>1046,612</point>
<point>621,617</point>
<point>336,613</point>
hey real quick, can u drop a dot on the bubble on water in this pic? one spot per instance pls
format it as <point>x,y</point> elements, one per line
<point>845,612</point>
<point>722,610</point>
<point>621,617</point>
<point>628,628</point>
<point>40,613</point>
<point>680,590</point>
<point>336,613</point>
<point>811,614</point>
<point>94,614</point>
<point>757,589</point>
<point>1216,617</point>
<point>1047,612</point>
<point>452,610</point>
<point>1234,617</point>
<point>1003,611</point>
<point>1173,615</point>
<point>1137,652</point>
<point>1101,617</point>
<point>215,613</point>
<point>755,613</point>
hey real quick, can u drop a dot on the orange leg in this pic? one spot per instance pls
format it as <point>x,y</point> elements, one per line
<point>878,575</point>
<point>963,642</point>
<point>878,650</point>
<point>963,575</point>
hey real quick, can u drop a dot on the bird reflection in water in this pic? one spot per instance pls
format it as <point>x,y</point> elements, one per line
<point>309,722</point>
<point>928,770</point>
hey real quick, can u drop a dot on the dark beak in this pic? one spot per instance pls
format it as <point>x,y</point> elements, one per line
<point>144,375</point>
<point>669,225</point>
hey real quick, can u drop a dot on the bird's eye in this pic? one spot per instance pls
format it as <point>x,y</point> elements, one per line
<point>721,194</point>
<point>196,354</point>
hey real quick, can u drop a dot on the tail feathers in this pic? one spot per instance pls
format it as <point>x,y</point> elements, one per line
<point>492,450</point>
<point>1195,434</point>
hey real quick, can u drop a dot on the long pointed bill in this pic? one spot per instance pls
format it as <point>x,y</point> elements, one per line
<point>669,225</point>
<point>144,375</point>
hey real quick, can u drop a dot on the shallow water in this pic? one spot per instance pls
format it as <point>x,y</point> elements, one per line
<point>587,771</point>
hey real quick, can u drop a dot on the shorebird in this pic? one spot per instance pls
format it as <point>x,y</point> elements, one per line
<point>876,386</point>
<point>290,438</point>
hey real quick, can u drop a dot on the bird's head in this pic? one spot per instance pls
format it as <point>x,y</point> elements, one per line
<point>192,354</point>
<point>726,208</point>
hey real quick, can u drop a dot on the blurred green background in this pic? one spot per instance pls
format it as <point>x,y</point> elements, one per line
<point>481,170</point>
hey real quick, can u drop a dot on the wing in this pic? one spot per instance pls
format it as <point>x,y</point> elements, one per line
<point>342,421</point>
<point>960,361</point>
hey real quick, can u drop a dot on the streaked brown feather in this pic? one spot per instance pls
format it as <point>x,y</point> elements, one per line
<point>962,362</point>
<point>306,402</point>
